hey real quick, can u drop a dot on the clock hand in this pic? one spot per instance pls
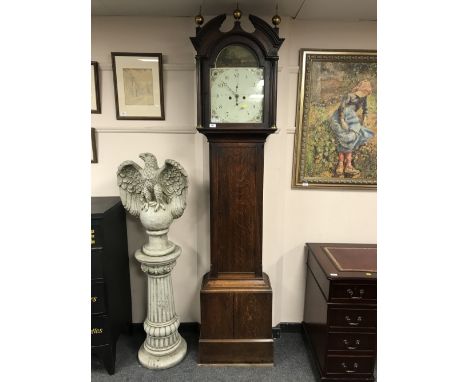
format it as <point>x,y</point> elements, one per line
<point>232,91</point>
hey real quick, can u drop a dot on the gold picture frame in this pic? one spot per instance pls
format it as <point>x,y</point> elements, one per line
<point>336,120</point>
<point>138,86</point>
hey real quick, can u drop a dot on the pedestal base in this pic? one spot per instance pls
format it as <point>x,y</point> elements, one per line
<point>154,360</point>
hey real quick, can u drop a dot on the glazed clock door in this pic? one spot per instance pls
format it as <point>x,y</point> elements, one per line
<point>236,87</point>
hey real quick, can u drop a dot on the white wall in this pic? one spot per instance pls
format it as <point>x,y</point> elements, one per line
<point>291,217</point>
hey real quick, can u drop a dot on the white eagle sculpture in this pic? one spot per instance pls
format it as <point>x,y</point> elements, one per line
<point>156,195</point>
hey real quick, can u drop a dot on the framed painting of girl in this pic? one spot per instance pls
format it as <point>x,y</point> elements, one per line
<point>336,127</point>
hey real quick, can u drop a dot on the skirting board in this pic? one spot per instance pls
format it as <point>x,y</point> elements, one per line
<point>194,327</point>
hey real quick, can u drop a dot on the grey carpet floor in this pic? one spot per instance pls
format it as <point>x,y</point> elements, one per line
<point>292,363</point>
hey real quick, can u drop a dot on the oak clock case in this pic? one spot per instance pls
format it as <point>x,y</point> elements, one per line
<point>236,104</point>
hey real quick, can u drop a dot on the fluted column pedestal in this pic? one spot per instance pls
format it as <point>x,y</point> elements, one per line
<point>163,347</point>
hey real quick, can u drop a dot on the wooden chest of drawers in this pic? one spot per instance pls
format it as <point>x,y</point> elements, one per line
<point>340,312</point>
<point>110,280</point>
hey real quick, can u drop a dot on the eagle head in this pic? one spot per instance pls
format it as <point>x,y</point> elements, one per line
<point>149,159</point>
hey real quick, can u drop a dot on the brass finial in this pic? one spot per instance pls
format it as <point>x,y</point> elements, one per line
<point>276,19</point>
<point>237,12</point>
<point>199,18</point>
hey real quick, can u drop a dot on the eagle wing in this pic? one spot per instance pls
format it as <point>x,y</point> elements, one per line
<point>131,182</point>
<point>173,182</point>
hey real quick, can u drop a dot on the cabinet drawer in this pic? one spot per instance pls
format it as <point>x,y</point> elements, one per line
<point>97,264</point>
<point>354,293</point>
<point>350,365</point>
<point>100,331</point>
<point>352,318</point>
<point>98,297</point>
<point>351,341</point>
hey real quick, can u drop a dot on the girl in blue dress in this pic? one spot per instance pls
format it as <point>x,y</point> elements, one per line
<point>349,128</point>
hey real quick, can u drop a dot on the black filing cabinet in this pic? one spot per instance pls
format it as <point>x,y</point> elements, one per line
<point>111,312</point>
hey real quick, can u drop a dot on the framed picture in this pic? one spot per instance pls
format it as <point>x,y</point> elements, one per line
<point>336,120</point>
<point>95,94</point>
<point>93,146</point>
<point>138,85</point>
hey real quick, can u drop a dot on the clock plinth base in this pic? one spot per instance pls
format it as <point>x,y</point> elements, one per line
<point>236,310</point>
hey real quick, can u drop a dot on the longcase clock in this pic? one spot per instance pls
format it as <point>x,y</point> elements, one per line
<point>236,102</point>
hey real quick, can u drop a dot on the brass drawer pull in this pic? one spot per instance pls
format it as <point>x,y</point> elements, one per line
<point>346,342</point>
<point>351,294</point>
<point>350,323</point>
<point>355,365</point>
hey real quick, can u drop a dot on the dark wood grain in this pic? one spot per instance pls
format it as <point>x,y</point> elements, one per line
<point>235,312</point>
<point>213,307</point>
<point>250,308</point>
<point>235,351</point>
<point>340,315</point>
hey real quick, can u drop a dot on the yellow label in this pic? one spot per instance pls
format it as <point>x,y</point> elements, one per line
<point>97,330</point>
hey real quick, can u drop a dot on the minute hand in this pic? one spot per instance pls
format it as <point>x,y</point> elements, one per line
<point>232,91</point>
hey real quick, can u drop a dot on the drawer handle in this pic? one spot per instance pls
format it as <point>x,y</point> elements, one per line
<point>346,343</point>
<point>358,319</point>
<point>355,365</point>
<point>351,294</point>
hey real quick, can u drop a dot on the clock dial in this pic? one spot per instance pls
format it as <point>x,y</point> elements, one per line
<point>236,95</point>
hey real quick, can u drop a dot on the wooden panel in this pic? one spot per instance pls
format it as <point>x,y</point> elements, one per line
<point>235,225</point>
<point>350,365</point>
<point>315,319</point>
<point>231,351</point>
<point>346,341</point>
<point>252,315</point>
<point>352,292</point>
<point>352,318</point>
<point>217,315</point>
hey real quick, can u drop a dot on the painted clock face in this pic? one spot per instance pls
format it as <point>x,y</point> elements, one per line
<point>236,95</point>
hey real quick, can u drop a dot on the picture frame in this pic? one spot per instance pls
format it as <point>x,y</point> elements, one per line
<point>95,89</point>
<point>336,120</point>
<point>94,158</point>
<point>138,86</point>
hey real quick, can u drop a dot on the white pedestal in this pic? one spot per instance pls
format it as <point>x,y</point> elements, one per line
<point>163,347</point>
